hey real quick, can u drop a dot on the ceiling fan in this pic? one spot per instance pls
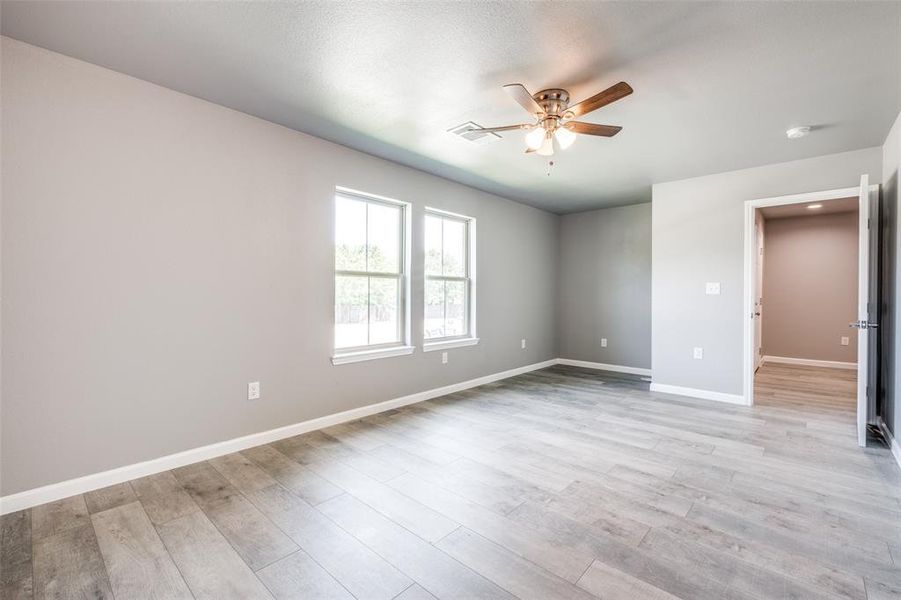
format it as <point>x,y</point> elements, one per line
<point>554,116</point>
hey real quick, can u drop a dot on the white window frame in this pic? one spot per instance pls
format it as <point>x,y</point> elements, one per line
<point>469,338</point>
<point>354,354</point>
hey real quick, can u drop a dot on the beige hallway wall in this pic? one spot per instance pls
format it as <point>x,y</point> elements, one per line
<point>810,287</point>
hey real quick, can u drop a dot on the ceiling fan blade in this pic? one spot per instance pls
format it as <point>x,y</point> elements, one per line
<point>503,128</point>
<point>522,96</point>
<point>592,129</point>
<point>611,94</point>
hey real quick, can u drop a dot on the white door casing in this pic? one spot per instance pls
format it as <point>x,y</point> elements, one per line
<point>868,213</point>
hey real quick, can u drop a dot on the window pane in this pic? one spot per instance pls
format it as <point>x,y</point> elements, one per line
<point>455,310</point>
<point>434,309</point>
<point>384,238</point>
<point>350,234</point>
<point>351,314</point>
<point>454,248</point>
<point>432,245</point>
<point>384,309</point>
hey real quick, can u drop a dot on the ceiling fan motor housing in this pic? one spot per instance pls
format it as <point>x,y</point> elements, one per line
<point>554,101</point>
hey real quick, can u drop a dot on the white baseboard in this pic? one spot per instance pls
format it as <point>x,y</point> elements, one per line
<point>696,393</point>
<point>809,362</point>
<point>80,485</point>
<point>603,366</point>
<point>892,442</point>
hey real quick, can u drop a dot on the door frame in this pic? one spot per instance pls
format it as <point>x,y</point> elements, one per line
<point>750,286</point>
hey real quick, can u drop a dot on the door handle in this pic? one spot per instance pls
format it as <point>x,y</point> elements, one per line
<point>863,325</point>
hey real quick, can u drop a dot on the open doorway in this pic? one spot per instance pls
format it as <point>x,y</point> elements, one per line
<point>802,279</point>
<point>807,282</point>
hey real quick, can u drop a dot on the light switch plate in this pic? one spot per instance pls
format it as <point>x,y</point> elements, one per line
<point>444,358</point>
<point>253,390</point>
<point>713,288</point>
<point>522,344</point>
<point>698,353</point>
<point>603,342</point>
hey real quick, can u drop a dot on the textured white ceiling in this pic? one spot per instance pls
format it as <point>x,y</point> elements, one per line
<point>716,84</point>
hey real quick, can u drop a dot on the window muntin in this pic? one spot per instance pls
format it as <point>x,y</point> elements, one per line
<point>448,277</point>
<point>370,273</point>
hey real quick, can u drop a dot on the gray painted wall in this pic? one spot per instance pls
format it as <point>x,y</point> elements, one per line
<point>159,252</point>
<point>810,287</point>
<point>890,408</point>
<point>698,236</point>
<point>605,286</point>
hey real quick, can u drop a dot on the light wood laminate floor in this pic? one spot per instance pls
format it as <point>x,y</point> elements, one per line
<point>561,483</point>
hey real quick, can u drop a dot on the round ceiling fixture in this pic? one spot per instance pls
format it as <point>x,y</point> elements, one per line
<point>797,132</point>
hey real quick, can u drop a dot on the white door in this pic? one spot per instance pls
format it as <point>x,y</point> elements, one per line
<point>758,297</point>
<point>864,324</point>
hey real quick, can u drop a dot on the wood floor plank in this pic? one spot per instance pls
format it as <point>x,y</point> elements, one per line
<point>518,576</point>
<point>523,539</point>
<point>415,592</point>
<point>55,517</point>
<point>292,475</point>
<point>109,497</point>
<point>15,555</point>
<point>68,564</point>
<point>316,446</point>
<point>823,550</point>
<point>137,562</point>
<point>736,573</point>
<point>363,572</point>
<point>421,520</point>
<point>204,484</point>
<point>256,538</point>
<point>882,591</point>
<point>242,472</point>
<point>207,561</point>
<point>830,579</point>
<point>610,584</point>
<point>299,576</point>
<point>259,541</point>
<point>429,567</point>
<point>163,498</point>
<point>500,499</point>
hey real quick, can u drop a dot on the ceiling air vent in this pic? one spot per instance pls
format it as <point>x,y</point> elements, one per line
<point>476,137</point>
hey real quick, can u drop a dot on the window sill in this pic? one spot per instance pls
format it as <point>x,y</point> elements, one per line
<point>352,357</point>
<point>447,344</point>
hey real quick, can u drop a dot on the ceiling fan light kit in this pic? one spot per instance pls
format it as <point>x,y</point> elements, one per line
<point>554,124</point>
<point>535,138</point>
<point>547,147</point>
<point>565,137</point>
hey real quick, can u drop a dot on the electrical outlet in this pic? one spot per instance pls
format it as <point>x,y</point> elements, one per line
<point>698,353</point>
<point>444,358</point>
<point>522,344</point>
<point>845,340</point>
<point>603,342</point>
<point>712,288</point>
<point>253,390</point>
